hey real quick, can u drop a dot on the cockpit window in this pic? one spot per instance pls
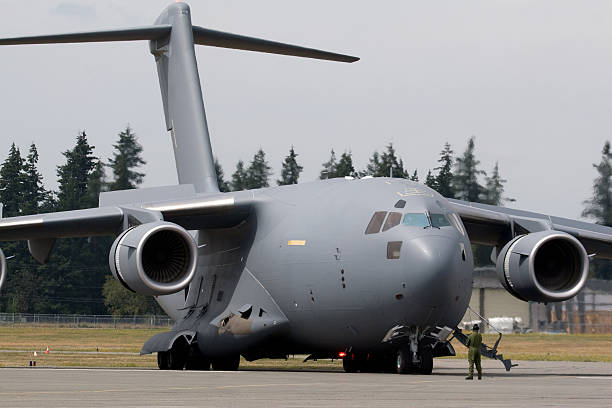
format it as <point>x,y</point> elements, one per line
<point>439,220</point>
<point>400,204</point>
<point>416,219</point>
<point>376,222</point>
<point>393,219</point>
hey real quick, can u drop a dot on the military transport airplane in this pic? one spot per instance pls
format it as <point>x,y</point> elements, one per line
<point>377,270</point>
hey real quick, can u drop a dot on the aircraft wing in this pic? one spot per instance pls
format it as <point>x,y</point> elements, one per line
<point>210,211</point>
<point>198,212</point>
<point>493,225</point>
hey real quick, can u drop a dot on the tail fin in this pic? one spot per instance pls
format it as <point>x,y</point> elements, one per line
<point>171,42</point>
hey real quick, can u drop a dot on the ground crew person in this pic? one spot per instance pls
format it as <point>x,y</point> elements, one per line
<point>474,342</point>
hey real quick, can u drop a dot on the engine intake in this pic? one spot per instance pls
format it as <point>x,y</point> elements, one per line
<point>157,258</point>
<point>545,266</point>
<point>2,269</point>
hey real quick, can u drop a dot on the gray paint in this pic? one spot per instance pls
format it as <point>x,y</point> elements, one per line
<point>336,289</point>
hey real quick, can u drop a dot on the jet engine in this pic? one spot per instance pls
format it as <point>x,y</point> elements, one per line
<point>156,258</point>
<point>2,269</point>
<point>545,266</point>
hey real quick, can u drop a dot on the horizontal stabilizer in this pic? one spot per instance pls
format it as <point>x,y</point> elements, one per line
<point>205,36</point>
<point>201,36</point>
<point>128,34</point>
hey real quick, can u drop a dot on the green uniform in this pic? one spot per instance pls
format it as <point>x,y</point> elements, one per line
<point>474,342</point>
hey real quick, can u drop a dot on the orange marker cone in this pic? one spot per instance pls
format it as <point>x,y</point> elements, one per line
<point>47,350</point>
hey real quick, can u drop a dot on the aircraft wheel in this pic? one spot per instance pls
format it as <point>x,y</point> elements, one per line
<point>195,359</point>
<point>426,366</point>
<point>177,358</point>
<point>198,363</point>
<point>162,360</point>
<point>228,363</point>
<point>402,361</point>
<point>350,363</point>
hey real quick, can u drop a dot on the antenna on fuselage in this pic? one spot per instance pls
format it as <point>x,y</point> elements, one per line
<point>171,41</point>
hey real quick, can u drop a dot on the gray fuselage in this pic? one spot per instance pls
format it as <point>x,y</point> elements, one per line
<point>338,286</point>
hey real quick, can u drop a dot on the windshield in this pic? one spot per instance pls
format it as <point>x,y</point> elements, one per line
<point>416,219</point>
<point>439,220</point>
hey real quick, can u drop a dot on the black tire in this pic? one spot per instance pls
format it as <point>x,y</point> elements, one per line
<point>402,361</point>
<point>350,363</point>
<point>227,363</point>
<point>426,366</point>
<point>195,359</point>
<point>162,360</point>
<point>177,357</point>
<point>198,363</point>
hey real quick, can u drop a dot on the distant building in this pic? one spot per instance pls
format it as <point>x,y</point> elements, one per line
<point>589,312</point>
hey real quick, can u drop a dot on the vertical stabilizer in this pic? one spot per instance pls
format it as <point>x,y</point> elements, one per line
<point>171,41</point>
<point>182,98</point>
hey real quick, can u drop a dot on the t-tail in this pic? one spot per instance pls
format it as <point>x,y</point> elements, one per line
<point>171,41</point>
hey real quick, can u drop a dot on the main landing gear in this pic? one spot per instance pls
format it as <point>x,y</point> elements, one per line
<point>188,357</point>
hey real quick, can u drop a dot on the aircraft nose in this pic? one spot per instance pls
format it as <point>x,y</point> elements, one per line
<point>434,266</point>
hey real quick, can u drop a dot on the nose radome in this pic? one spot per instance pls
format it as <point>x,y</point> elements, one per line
<point>432,263</point>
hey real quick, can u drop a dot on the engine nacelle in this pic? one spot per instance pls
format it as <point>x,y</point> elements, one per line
<point>2,269</point>
<point>545,266</point>
<point>156,258</point>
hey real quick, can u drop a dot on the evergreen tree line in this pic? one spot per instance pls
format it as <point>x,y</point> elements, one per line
<point>455,177</point>
<point>77,279</point>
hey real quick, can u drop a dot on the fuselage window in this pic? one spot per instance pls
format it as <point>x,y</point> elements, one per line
<point>393,219</point>
<point>416,219</point>
<point>393,249</point>
<point>400,204</point>
<point>439,220</point>
<point>376,222</point>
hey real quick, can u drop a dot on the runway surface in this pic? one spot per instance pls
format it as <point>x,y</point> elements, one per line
<point>557,384</point>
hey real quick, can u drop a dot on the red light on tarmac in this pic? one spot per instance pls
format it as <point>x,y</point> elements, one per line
<point>342,354</point>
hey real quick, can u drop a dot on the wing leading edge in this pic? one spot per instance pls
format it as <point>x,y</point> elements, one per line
<point>493,225</point>
<point>198,212</point>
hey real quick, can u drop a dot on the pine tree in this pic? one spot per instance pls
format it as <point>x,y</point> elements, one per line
<point>258,172</point>
<point>415,176</point>
<point>345,166</point>
<point>465,180</point>
<point>386,164</point>
<point>11,183</point>
<point>290,172</point>
<point>95,184</point>
<point>34,193</point>
<point>599,207</point>
<point>329,167</point>
<point>126,158</point>
<point>77,267</point>
<point>494,188</point>
<point>73,177</point>
<point>430,181</point>
<point>444,179</point>
<point>239,178</point>
<point>224,186</point>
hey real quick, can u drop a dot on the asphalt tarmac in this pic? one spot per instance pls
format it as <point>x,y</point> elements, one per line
<point>531,384</point>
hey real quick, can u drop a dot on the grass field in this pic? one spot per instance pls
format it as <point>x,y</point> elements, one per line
<point>120,347</point>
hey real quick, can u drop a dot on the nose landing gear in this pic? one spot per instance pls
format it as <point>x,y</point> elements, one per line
<point>407,362</point>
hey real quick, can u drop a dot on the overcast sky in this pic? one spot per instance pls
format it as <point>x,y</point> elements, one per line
<point>529,79</point>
